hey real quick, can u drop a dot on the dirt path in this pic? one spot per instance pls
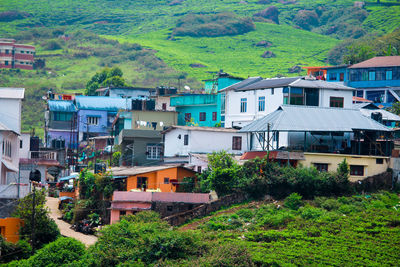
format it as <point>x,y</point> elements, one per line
<point>52,204</point>
<point>192,226</point>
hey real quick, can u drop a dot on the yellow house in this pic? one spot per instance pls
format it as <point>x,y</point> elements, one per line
<point>9,229</point>
<point>360,166</point>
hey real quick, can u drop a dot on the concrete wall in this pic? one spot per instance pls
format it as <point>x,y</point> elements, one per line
<point>24,151</point>
<point>195,115</point>
<point>140,149</point>
<point>10,110</point>
<point>160,100</point>
<point>371,167</point>
<point>163,119</point>
<point>325,95</point>
<point>100,128</point>
<point>10,229</point>
<point>200,142</point>
<point>133,93</point>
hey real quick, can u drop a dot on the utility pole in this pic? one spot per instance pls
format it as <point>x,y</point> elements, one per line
<point>33,217</point>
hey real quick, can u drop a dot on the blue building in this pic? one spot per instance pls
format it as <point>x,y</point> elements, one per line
<point>376,79</point>
<point>96,114</point>
<point>222,81</point>
<point>197,109</point>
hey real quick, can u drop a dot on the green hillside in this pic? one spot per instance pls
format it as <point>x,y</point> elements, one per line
<point>307,30</point>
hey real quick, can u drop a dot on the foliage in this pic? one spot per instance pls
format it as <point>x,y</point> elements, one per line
<point>46,229</point>
<point>147,239</point>
<point>212,25</point>
<point>293,201</point>
<point>10,251</point>
<point>64,250</point>
<point>115,158</point>
<point>106,77</point>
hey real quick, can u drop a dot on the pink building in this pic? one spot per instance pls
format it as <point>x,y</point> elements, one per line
<point>16,56</point>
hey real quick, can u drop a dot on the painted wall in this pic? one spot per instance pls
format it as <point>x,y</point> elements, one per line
<point>13,160</point>
<point>325,95</point>
<point>52,134</point>
<point>10,110</point>
<point>139,151</point>
<point>200,142</point>
<point>9,228</point>
<point>100,128</point>
<point>195,115</point>
<point>162,118</point>
<point>337,72</point>
<point>333,160</point>
<point>160,100</point>
<point>24,151</point>
<point>133,93</point>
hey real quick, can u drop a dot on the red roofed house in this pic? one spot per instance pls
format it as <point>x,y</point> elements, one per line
<point>16,56</point>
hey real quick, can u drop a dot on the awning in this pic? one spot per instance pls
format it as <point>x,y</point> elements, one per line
<point>67,178</point>
<point>9,166</point>
<point>65,198</point>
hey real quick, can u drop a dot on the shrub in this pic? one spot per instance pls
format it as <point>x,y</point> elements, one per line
<point>293,201</point>
<point>311,213</point>
<point>306,19</point>
<point>10,251</point>
<point>52,45</point>
<point>226,255</point>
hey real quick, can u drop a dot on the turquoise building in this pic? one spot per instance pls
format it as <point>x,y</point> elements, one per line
<point>204,109</point>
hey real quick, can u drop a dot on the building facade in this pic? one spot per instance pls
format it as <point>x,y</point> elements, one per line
<point>16,56</point>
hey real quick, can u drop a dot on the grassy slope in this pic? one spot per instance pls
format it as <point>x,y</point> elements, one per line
<point>359,230</point>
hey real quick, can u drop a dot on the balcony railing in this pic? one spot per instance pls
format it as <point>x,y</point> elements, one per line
<point>43,155</point>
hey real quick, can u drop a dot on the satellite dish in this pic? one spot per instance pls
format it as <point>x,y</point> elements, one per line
<point>187,87</point>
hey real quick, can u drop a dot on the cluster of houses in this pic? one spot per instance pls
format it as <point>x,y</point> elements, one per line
<point>165,135</point>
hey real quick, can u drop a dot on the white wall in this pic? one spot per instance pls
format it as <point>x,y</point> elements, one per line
<point>325,95</point>
<point>12,161</point>
<point>10,113</point>
<point>201,142</point>
<point>163,99</point>
<point>24,151</point>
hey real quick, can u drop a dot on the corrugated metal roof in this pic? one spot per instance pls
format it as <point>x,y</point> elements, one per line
<point>319,84</point>
<point>131,171</point>
<point>390,61</point>
<point>269,83</point>
<point>242,84</point>
<point>126,196</point>
<point>102,103</point>
<point>307,119</point>
<point>386,115</point>
<point>61,105</point>
<point>198,128</point>
<point>133,133</point>
<point>13,93</point>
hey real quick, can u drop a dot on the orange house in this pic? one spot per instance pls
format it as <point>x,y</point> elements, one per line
<point>165,178</point>
<point>317,72</point>
<point>9,229</point>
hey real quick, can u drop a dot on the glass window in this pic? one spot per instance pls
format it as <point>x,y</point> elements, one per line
<point>62,116</point>
<point>186,140</point>
<point>142,182</point>
<point>202,116</point>
<point>357,170</point>
<point>371,76</point>
<point>341,78</point>
<point>389,75</point>
<point>153,151</point>
<point>222,103</point>
<point>188,117</point>
<point>261,103</point>
<point>214,116</point>
<point>336,102</point>
<point>166,180</point>
<point>243,105</point>
<point>332,76</point>
<point>236,143</point>
<point>322,167</point>
<point>272,91</point>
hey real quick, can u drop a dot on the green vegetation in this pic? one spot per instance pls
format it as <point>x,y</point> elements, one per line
<point>106,77</point>
<point>212,25</point>
<point>45,229</point>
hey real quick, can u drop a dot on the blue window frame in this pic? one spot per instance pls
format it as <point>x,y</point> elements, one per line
<point>261,103</point>
<point>371,76</point>
<point>243,105</point>
<point>389,75</point>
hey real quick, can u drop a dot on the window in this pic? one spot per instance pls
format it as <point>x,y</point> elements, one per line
<point>332,76</point>
<point>336,102</point>
<point>272,91</point>
<point>223,103</point>
<point>142,182</point>
<point>199,169</point>
<point>371,76</point>
<point>166,180</point>
<point>261,103</point>
<point>122,212</point>
<point>186,140</point>
<point>92,120</point>
<point>236,143</point>
<point>357,170</point>
<point>214,116</point>
<point>322,167</point>
<point>20,143</point>
<point>169,208</point>
<point>6,148</point>
<point>202,116</point>
<point>243,105</point>
<point>153,151</point>
<point>6,62</point>
<point>389,75</point>
<point>188,117</point>
<point>7,51</point>
<point>341,76</point>
<point>164,106</point>
<point>379,161</point>
<point>296,96</point>
<point>62,116</point>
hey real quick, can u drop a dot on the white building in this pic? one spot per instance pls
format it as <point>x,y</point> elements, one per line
<point>255,97</point>
<point>180,141</point>
<point>10,129</point>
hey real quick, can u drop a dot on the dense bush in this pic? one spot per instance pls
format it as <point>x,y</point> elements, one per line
<point>306,19</point>
<point>293,201</point>
<point>10,251</point>
<point>52,45</point>
<point>212,25</point>
<point>45,228</point>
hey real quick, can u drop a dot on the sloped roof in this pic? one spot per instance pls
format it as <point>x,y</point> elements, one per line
<point>389,61</point>
<point>307,119</point>
<point>199,128</point>
<point>270,83</point>
<point>102,103</point>
<point>62,105</point>
<point>13,93</point>
<point>123,196</point>
<point>319,84</point>
<point>131,171</point>
<point>242,84</point>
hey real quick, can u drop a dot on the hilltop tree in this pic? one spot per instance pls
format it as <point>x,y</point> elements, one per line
<point>106,77</point>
